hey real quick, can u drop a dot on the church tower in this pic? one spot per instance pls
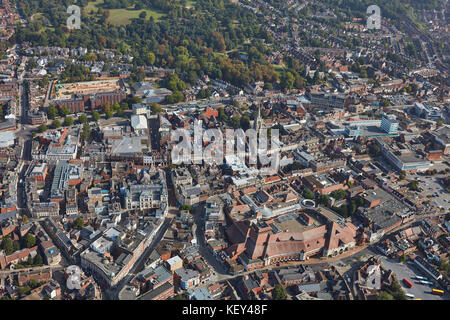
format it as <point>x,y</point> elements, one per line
<point>258,121</point>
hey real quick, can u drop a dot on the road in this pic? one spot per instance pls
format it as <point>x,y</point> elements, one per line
<point>24,132</point>
<point>206,252</point>
<point>57,267</point>
<point>49,93</point>
<point>114,292</point>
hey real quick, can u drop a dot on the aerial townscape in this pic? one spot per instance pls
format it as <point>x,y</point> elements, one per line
<point>97,204</point>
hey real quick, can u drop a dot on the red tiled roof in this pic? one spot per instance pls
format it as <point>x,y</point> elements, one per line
<point>239,208</point>
<point>337,233</point>
<point>211,113</point>
<point>20,254</point>
<point>249,190</point>
<point>272,178</point>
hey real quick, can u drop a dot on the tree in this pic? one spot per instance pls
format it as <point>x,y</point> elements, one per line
<point>38,260</point>
<point>24,219</point>
<point>413,185</point>
<point>34,283</point>
<point>63,112</point>
<point>42,128</point>
<point>32,64</point>
<point>78,223</point>
<point>150,58</point>
<point>56,124</point>
<point>96,116</point>
<point>385,296</point>
<point>287,80</point>
<point>339,194</point>
<point>222,116</point>
<point>86,131</point>
<point>323,199</point>
<point>279,293</point>
<point>175,97</point>
<point>29,241</point>
<point>374,150</point>
<point>115,107</point>
<point>16,246</point>
<point>83,118</point>
<point>245,122</point>
<point>52,112</point>
<point>155,108</point>
<point>108,114</point>
<point>395,289</point>
<point>186,207</point>
<point>235,122</point>
<point>402,175</point>
<point>352,208</point>
<point>7,245</point>
<point>308,194</point>
<point>23,290</point>
<point>143,14</point>
<point>106,108</point>
<point>68,121</point>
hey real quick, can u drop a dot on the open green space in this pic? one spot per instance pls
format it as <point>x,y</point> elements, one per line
<point>120,17</point>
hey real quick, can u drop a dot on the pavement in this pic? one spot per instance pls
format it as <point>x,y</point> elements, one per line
<point>431,186</point>
<point>409,271</point>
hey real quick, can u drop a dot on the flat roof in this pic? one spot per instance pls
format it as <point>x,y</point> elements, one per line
<point>128,145</point>
<point>292,223</point>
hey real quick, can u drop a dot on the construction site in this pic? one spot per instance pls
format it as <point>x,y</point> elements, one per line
<point>63,91</point>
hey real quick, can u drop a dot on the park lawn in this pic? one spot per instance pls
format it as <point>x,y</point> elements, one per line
<point>93,5</point>
<point>37,16</point>
<point>120,17</point>
<point>190,3</point>
<point>219,54</point>
<point>278,69</point>
<point>43,29</point>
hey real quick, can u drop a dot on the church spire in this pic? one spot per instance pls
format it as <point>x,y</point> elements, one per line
<point>258,120</point>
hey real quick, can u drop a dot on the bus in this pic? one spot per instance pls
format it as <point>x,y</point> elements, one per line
<point>409,295</point>
<point>421,278</point>
<point>417,299</point>
<point>408,283</point>
<point>437,292</point>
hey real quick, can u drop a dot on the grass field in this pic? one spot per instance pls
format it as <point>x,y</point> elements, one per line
<point>278,69</point>
<point>36,16</point>
<point>190,3</point>
<point>119,17</point>
<point>94,5</point>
